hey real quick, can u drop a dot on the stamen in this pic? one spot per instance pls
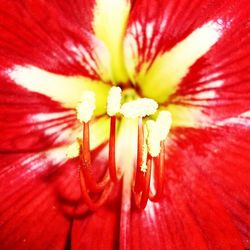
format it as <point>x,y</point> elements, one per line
<point>140,141</point>
<point>86,107</point>
<point>86,159</point>
<point>141,199</point>
<point>164,121</point>
<point>163,124</point>
<point>113,107</point>
<point>114,101</point>
<point>144,157</point>
<point>139,108</point>
<point>94,204</point>
<point>159,172</point>
<point>73,150</point>
<point>150,149</point>
<point>154,154</point>
<point>153,140</point>
<point>86,167</point>
<point>146,189</point>
<point>112,163</point>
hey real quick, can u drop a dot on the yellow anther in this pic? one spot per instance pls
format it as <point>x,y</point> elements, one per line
<point>73,150</point>
<point>86,106</point>
<point>139,108</point>
<point>153,138</point>
<point>164,121</point>
<point>114,101</point>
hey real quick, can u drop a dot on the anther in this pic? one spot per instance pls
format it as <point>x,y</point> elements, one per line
<point>139,108</point>
<point>153,139</point>
<point>86,106</point>
<point>164,121</point>
<point>114,101</point>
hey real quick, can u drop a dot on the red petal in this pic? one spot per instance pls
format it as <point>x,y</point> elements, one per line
<point>171,21</point>
<point>54,36</point>
<point>37,201</point>
<point>218,82</point>
<point>207,193</point>
<point>31,122</point>
<point>99,229</point>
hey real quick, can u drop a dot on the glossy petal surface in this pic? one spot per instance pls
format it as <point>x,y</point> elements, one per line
<point>207,193</point>
<point>34,200</point>
<point>216,84</point>
<point>206,202</point>
<point>56,36</point>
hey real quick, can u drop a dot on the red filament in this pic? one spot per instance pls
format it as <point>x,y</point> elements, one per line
<point>159,172</point>
<point>139,178</point>
<point>96,192</point>
<point>91,203</point>
<point>112,165</point>
<point>87,180</point>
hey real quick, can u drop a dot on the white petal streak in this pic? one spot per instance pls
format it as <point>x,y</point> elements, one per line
<point>172,66</point>
<point>64,89</point>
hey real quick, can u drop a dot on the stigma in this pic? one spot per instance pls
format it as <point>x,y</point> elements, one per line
<point>150,154</point>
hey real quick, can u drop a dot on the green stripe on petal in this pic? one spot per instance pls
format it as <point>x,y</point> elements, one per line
<point>186,116</point>
<point>109,24</point>
<point>64,89</point>
<point>99,132</point>
<point>161,79</point>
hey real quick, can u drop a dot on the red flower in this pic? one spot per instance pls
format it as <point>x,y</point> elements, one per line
<point>192,57</point>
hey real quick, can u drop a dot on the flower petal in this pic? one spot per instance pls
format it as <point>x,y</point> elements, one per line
<point>54,36</point>
<point>109,24</point>
<point>162,57</point>
<point>31,122</point>
<point>214,84</point>
<point>206,202</point>
<point>217,84</point>
<point>65,89</point>
<point>35,200</point>
<point>98,229</point>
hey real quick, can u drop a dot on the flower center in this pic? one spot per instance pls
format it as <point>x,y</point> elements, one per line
<point>150,147</point>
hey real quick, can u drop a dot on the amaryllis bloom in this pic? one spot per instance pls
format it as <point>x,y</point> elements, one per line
<point>124,124</point>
